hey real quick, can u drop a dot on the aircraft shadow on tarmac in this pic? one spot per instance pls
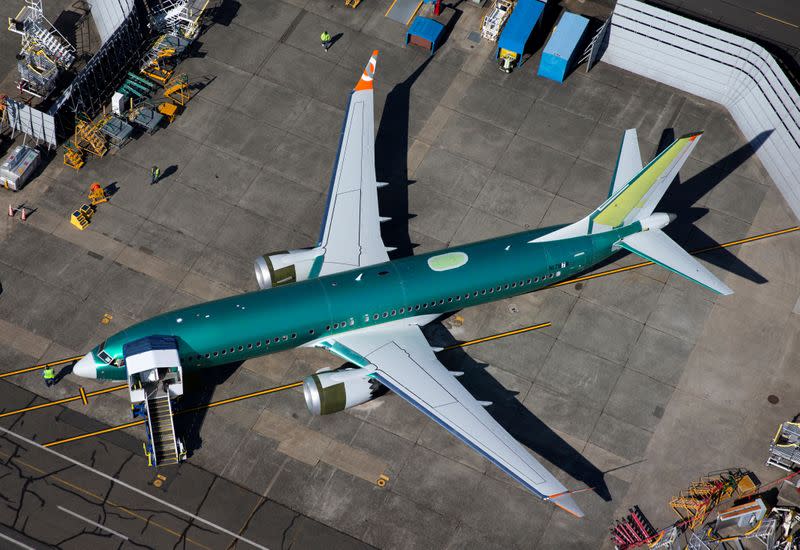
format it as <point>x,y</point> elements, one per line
<point>391,149</point>
<point>391,165</point>
<point>199,392</point>
<point>683,195</point>
<point>512,415</point>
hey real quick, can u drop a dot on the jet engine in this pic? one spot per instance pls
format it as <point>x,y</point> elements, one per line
<point>283,268</point>
<point>332,391</point>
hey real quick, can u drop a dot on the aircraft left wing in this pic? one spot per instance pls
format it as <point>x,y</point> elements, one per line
<point>351,234</point>
<point>403,361</point>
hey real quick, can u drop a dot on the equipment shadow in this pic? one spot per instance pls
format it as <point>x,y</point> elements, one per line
<point>391,165</point>
<point>512,415</point>
<point>198,391</point>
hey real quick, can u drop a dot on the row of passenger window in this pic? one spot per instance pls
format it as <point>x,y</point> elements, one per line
<point>377,316</point>
<point>441,301</point>
<point>242,347</point>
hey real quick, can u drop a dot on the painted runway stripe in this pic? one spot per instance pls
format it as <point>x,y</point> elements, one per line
<point>16,543</point>
<point>136,490</point>
<point>94,523</point>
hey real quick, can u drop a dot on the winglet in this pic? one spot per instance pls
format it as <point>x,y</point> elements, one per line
<point>365,83</point>
<point>565,502</point>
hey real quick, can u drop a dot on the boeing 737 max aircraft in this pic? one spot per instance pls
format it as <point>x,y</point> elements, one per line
<point>346,296</point>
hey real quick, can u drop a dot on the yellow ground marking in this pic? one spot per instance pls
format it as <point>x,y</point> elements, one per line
<point>299,383</point>
<point>184,411</point>
<point>390,8</point>
<point>42,366</point>
<point>82,397</point>
<point>496,336</point>
<point>693,253</point>
<point>777,19</point>
<point>101,500</point>
<point>414,13</point>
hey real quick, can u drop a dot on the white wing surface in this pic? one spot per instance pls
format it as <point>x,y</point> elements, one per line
<point>656,246</point>
<point>405,363</point>
<point>351,235</point>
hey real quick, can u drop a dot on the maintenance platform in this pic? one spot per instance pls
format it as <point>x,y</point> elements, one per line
<point>641,382</point>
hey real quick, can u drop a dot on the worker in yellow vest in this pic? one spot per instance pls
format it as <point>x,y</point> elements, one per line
<point>49,376</point>
<point>325,37</point>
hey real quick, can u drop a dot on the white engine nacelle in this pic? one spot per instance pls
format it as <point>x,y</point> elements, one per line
<point>658,220</point>
<point>283,268</point>
<point>333,391</point>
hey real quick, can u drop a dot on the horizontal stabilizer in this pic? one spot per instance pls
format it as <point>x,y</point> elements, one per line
<point>656,246</point>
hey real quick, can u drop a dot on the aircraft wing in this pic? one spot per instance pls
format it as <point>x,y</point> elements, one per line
<point>351,235</point>
<point>404,362</point>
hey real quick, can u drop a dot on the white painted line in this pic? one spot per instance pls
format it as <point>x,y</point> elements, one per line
<point>134,489</point>
<point>16,542</point>
<point>90,522</point>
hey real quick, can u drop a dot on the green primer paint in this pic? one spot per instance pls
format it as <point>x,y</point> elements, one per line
<point>451,260</point>
<point>632,196</point>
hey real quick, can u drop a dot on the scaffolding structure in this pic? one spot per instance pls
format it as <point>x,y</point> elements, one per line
<point>105,71</point>
<point>179,17</point>
<point>784,451</point>
<point>44,52</point>
<point>695,503</point>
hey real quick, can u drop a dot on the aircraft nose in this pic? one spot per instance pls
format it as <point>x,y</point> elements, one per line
<point>85,367</point>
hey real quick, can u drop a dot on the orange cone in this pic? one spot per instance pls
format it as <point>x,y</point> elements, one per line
<point>10,211</point>
<point>24,214</point>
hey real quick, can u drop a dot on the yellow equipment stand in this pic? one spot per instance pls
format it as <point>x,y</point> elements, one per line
<point>177,89</point>
<point>168,110</point>
<point>73,157</point>
<point>352,3</point>
<point>82,217</point>
<point>97,194</point>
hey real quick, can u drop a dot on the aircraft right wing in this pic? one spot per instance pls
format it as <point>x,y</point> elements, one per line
<point>404,362</point>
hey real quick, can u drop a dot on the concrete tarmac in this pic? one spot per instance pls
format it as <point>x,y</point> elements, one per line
<point>643,383</point>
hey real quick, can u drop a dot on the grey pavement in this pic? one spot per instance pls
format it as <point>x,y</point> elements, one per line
<point>643,382</point>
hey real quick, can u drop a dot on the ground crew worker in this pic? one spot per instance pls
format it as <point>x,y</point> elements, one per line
<point>326,40</point>
<point>155,173</point>
<point>49,376</point>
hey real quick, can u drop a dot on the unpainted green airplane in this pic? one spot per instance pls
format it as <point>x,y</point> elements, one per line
<point>345,295</point>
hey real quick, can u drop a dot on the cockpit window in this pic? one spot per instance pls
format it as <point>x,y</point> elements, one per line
<point>104,357</point>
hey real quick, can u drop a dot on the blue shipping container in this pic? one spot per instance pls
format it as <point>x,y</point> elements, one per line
<point>562,48</point>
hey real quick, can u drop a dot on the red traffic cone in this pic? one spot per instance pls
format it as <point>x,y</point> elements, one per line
<point>11,211</point>
<point>24,213</point>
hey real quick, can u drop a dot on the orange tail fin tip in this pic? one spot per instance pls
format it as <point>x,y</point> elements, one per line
<point>365,83</point>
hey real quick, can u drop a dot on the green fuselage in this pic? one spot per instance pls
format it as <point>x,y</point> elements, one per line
<point>253,324</point>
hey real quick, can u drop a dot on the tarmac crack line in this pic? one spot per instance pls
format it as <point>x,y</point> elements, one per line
<point>100,500</point>
<point>134,489</point>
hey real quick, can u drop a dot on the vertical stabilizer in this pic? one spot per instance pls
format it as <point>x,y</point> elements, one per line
<point>635,191</point>
<point>639,197</point>
<point>629,162</point>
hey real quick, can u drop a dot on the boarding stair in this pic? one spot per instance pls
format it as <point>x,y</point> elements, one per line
<point>155,379</point>
<point>161,428</point>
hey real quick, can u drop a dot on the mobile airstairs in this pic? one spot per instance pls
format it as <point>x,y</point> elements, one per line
<point>155,380</point>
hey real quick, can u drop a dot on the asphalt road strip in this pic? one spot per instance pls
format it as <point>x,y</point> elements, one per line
<point>145,494</point>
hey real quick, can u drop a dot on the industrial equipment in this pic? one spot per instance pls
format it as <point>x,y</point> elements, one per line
<point>18,166</point>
